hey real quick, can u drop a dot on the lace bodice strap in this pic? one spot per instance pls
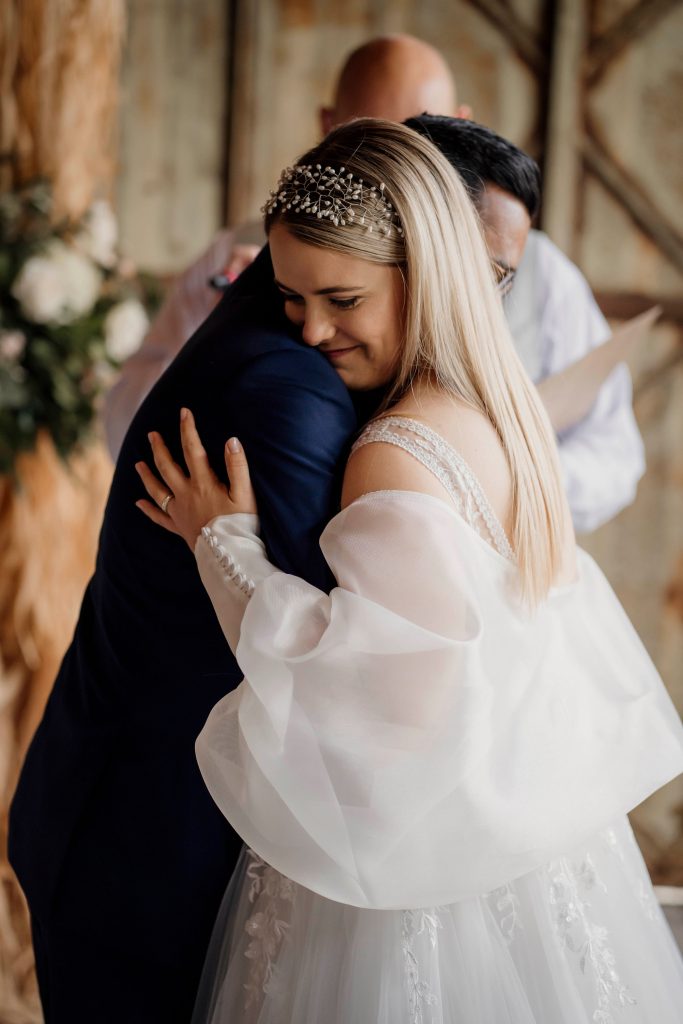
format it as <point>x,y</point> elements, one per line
<point>448,466</point>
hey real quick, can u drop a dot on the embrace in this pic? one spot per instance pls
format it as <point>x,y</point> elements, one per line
<point>421,715</point>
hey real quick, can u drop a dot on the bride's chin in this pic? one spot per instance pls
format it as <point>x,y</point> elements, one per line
<point>364,382</point>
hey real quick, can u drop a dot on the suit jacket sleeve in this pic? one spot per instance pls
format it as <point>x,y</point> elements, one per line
<point>188,303</point>
<point>295,420</point>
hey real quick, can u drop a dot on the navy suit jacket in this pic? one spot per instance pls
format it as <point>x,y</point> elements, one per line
<point>111,827</point>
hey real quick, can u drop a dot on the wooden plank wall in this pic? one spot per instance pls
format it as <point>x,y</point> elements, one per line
<point>171,182</point>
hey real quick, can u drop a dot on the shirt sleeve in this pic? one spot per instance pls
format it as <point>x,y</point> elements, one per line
<point>188,303</point>
<point>602,457</point>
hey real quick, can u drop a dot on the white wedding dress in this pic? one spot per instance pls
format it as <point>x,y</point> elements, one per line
<point>432,783</point>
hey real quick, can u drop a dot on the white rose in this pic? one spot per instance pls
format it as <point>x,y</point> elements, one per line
<point>82,281</point>
<point>99,236</point>
<point>58,286</point>
<point>12,344</point>
<point>125,325</point>
<point>40,290</point>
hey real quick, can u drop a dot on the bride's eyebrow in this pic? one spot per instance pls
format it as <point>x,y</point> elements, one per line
<point>323,291</point>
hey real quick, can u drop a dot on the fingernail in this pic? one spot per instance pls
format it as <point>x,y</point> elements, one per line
<point>234,445</point>
<point>150,438</point>
<point>183,414</point>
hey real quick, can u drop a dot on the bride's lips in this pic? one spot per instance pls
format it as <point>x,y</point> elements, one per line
<point>338,353</point>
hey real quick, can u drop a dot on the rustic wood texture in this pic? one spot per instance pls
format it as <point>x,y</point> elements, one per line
<point>631,221</point>
<point>170,194</point>
<point>58,95</point>
<point>564,124</point>
<point>59,79</point>
<point>49,525</point>
<point>633,23</point>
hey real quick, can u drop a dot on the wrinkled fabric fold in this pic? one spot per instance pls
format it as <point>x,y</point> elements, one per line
<point>416,737</point>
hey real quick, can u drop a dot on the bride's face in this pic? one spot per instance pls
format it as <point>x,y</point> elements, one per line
<point>349,308</point>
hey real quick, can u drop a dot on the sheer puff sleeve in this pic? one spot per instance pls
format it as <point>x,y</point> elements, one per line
<point>414,737</point>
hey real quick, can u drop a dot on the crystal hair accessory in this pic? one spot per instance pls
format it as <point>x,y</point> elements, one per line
<point>338,196</point>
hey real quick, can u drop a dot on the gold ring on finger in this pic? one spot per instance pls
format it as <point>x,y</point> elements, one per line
<point>165,503</point>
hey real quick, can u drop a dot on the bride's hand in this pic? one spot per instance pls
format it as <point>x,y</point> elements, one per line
<point>182,504</point>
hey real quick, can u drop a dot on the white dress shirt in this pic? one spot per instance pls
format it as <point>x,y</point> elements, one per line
<point>555,320</point>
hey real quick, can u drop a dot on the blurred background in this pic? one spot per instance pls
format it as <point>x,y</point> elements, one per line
<point>181,114</point>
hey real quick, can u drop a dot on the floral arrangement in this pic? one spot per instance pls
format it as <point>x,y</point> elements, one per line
<point>71,311</point>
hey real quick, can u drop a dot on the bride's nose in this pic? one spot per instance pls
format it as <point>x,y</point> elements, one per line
<point>317,326</point>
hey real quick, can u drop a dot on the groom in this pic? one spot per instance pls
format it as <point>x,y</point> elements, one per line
<point>120,850</point>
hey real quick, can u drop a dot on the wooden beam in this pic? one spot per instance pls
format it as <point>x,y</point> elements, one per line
<point>639,206</point>
<point>626,305</point>
<point>635,23</point>
<point>522,39</point>
<point>562,165</point>
<point>658,374</point>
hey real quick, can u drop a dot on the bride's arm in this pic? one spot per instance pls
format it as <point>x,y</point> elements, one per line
<point>222,527</point>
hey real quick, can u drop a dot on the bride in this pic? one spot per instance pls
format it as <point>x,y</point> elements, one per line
<point>431,765</point>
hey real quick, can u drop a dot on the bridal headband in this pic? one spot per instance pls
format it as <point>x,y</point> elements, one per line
<point>338,196</point>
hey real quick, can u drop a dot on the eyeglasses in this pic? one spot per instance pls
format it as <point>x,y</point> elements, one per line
<point>505,278</point>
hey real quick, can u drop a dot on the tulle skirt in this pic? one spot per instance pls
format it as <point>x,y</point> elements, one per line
<point>581,939</point>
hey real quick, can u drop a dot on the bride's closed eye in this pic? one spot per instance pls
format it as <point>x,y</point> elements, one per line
<point>298,300</point>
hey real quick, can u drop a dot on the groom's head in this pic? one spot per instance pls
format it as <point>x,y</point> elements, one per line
<point>503,181</point>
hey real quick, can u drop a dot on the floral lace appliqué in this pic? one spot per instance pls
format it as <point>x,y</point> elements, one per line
<point>580,935</point>
<point>267,927</point>
<point>505,904</point>
<point>640,885</point>
<point>415,923</point>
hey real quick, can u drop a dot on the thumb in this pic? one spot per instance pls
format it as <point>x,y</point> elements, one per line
<point>241,491</point>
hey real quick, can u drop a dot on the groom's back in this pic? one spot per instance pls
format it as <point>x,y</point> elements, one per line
<point>113,834</point>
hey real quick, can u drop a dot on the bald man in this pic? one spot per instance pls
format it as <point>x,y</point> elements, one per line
<point>399,75</point>
<point>551,311</point>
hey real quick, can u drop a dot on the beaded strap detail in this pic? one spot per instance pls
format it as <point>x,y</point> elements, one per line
<point>449,467</point>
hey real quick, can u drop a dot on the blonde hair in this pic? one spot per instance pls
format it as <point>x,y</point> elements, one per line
<point>455,329</point>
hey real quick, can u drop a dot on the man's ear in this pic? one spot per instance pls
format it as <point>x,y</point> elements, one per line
<point>464,112</point>
<point>326,115</point>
